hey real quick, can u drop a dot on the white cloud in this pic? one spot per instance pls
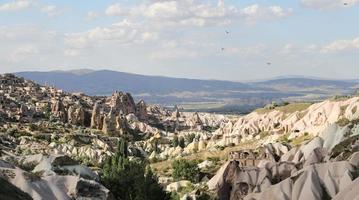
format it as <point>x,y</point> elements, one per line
<point>341,45</point>
<point>325,4</point>
<point>22,52</point>
<point>77,41</point>
<point>25,45</point>
<point>91,15</point>
<point>255,13</point>
<point>115,9</point>
<point>52,10</point>
<point>183,48</point>
<point>192,13</point>
<point>122,33</point>
<point>279,11</point>
<point>15,5</point>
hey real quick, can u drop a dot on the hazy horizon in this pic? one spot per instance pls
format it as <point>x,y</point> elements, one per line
<point>182,77</point>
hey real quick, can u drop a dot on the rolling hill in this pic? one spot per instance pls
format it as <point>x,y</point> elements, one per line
<point>227,95</point>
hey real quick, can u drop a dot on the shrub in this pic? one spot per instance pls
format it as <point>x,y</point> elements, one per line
<point>11,131</point>
<point>175,141</point>
<point>28,166</point>
<point>190,137</point>
<point>300,139</point>
<point>231,144</point>
<point>33,127</point>
<point>343,121</point>
<point>354,110</point>
<point>221,148</point>
<point>344,147</point>
<point>185,170</point>
<point>284,138</point>
<point>175,196</point>
<point>213,159</point>
<point>205,196</point>
<point>14,132</point>
<point>263,134</point>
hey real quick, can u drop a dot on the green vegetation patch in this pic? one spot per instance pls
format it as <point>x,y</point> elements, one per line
<point>299,140</point>
<point>343,121</point>
<point>284,138</point>
<point>264,134</point>
<point>185,170</point>
<point>130,179</point>
<point>354,109</point>
<point>287,109</point>
<point>294,107</point>
<point>341,97</point>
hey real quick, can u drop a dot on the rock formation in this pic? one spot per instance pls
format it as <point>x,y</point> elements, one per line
<point>54,177</point>
<point>58,109</point>
<point>122,103</point>
<point>305,152</point>
<point>141,111</point>
<point>76,115</point>
<point>96,118</point>
<point>109,123</point>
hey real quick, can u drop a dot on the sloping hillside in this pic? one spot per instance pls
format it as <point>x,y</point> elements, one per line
<point>203,95</point>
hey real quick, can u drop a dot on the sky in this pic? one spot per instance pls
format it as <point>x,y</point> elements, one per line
<point>226,39</point>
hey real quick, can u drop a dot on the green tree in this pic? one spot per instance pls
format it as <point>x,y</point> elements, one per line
<point>157,150</point>
<point>175,141</point>
<point>130,180</point>
<point>185,170</point>
<point>181,142</point>
<point>190,137</point>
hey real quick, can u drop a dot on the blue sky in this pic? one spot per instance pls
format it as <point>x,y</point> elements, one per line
<point>183,38</point>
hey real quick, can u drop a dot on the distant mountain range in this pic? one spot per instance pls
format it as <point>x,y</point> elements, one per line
<point>225,95</point>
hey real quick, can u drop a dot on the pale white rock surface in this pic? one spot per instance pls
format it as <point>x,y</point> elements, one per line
<point>176,186</point>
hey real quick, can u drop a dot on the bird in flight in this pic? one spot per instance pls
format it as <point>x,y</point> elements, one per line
<point>269,63</point>
<point>222,49</point>
<point>227,32</point>
<point>345,4</point>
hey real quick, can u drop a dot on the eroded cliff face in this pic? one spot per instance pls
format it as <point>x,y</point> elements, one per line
<point>52,177</point>
<point>320,168</point>
<point>313,120</point>
<point>311,178</point>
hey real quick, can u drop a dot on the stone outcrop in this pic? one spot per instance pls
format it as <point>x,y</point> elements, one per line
<point>141,111</point>
<point>319,181</point>
<point>9,191</point>
<point>58,110</point>
<point>109,123</point>
<point>176,113</point>
<point>284,181</point>
<point>122,103</point>
<point>96,117</point>
<point>111,117</point>
<point>76,115</point>
<point>234,182</point>
<point>54,178</point>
